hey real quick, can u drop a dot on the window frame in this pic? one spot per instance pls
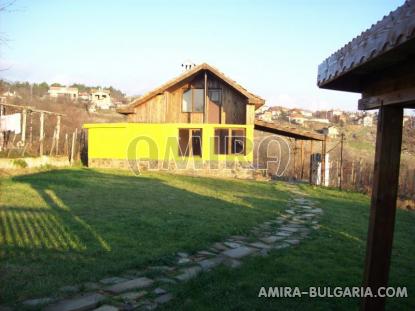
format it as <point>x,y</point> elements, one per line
<point>229,149</point>
<point>190,136</point>
<point>192,89</point>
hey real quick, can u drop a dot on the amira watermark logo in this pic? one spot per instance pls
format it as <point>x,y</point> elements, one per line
<point>271,152</point>
<point>332,292</point>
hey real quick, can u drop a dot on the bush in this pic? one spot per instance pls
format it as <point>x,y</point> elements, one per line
<point>20,163</point>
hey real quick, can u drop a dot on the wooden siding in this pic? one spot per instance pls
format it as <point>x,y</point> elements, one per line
<point>167,107</point>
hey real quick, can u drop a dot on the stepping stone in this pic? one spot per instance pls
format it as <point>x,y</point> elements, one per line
<point>284,233</point>
<point>69,289</point>
<point>232,263</point>
<point>183,261</point>
<point>206,253</point>
<point>130,285</point>
<point>81,303</point>
<point>289,229</point>
<point>238,237</point>
<point>166,280</point>
<point>282,245</point>
<point>239,252</point>
<point>91,286</point>
<point>316,210</point>
<point>37,301</point>
<point>232,244</point>
<point>271,239</point>
<point>293,241</point>
<point>159,291</point>
<point>106,308</point>
<point>112,280</point>
<point>260,245</point>
<point>161,268</point>
<point>182,254</point>
<point>133,295</point>
<point>189,273</point>
<point>163,299</point>
<point>211,263</point>
<point>220,246</point>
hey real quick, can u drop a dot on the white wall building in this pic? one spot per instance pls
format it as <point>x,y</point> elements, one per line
<point>101,99</point>
<point>63,91</point>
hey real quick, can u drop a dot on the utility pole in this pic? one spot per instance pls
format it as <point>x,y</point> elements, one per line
<point>341,161</point>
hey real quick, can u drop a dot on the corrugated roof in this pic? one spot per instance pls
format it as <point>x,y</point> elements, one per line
<point>252,99</point>
<point>393,30</point>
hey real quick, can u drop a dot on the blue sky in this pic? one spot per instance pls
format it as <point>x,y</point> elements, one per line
<point>272,48</point>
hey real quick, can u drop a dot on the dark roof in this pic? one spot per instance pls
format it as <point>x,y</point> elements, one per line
<point>288,131</point>
<point>252,99</point>
<point>386,43</point>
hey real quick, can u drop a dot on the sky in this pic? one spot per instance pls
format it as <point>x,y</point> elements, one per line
<point>272,48</point>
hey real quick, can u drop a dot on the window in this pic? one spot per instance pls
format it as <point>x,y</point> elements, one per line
<point>230,141</point>
<point>216,96</point>
<point>190,142</point>
<point>193,100</point>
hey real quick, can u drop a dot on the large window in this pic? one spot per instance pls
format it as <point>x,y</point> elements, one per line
<point>215,95</point>
<point>190,142</point>
<point>193,100</point>
<point>230,141</point>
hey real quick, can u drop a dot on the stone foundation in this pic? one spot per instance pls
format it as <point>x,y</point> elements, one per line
<point>207,168</point>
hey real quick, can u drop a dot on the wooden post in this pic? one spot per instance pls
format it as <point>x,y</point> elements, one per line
<point>24,118</point>
<point>383,204</point>
<point>73,147</point>
<point>206,114</point>
<point>295,155</point>
<point>58,131</point>
<point>66,146</point>
<point>302,160</point>
<point>42,134</point>
<point>323,162</point>
<point>341,162</point>
<point>311,163</point>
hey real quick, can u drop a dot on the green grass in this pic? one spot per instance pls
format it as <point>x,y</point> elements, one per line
<point>332,257</point>
<point>65,227</point>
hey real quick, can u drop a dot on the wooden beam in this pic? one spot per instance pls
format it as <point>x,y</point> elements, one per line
<point>41,133</point>
<point>383,204</point>
<point>404,98</point>
<point>206,114</point>
<point>24,119</point>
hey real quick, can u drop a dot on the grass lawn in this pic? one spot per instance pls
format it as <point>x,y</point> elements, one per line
<point>69,226</point>
<point>64,227</point>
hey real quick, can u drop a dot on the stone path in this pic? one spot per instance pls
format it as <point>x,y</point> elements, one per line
<point>147,289</point>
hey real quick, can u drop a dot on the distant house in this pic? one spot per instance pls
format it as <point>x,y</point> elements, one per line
<point>330,131</point>
<point>366,120</point>
<point>296,118</point>
<point>10,94</point>
<point>101,99</point>
<point>63,91</point>
<point>84,96</point>
<point>319,120</point>
<point>266,116</point>
<point>306,113</point>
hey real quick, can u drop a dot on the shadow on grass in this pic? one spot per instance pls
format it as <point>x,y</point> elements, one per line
<point>68,226</point>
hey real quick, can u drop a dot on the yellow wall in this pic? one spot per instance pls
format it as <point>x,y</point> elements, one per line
<point>132,140</point>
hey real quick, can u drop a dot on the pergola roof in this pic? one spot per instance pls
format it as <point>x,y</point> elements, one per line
<point>288,131</point>
<point>386,44</point>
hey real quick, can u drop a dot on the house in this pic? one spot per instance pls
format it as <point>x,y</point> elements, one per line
<point>84,96</point>
<point>296,118</point>
<point>366,120</point>
<point>266,116</point>
<point>63,91</point>
<point>10,94</point>
<point>330,131</point>
<point>202,117</point>
<point>101,99</point>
